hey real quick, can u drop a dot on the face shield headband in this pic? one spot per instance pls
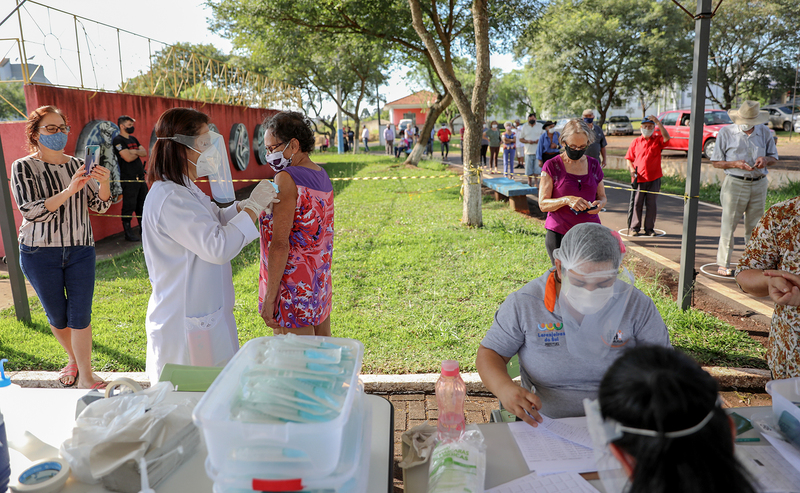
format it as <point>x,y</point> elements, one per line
<point>606,431</point>
<point>212,163</point>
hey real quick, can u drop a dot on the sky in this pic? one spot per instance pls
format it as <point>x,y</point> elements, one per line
<point>52,38</point>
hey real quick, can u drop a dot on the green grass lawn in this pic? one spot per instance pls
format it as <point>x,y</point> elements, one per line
<point>708,193</point>
<point>409,281</point>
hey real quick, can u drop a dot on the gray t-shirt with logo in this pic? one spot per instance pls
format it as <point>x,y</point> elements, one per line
<point>522,325</point>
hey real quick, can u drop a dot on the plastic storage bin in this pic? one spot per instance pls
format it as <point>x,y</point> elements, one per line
<point>349,476</point>
<point>292,449</point>
<point>786,407</point>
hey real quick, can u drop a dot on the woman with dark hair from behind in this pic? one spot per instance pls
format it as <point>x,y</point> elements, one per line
<point>294,288</point>
<point>674,434</point>
<point>189,242</point>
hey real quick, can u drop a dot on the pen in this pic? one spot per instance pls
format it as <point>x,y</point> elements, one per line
<point>739,440</point>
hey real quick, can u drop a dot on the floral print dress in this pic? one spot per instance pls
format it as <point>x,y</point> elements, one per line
<point>305,291</point>
<point>775,244</point>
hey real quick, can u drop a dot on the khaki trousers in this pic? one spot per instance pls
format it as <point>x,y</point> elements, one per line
<point>739,197</point>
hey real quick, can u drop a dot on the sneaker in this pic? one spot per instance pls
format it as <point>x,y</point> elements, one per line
<point>650,233</point>
<point>636,233</point>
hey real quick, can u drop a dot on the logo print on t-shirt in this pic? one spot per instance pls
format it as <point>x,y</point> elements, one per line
<point>551,333</point>
<point>551,327</point>
<point>618,339</point>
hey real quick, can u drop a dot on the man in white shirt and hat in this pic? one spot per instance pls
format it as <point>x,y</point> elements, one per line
<point>744,150</point>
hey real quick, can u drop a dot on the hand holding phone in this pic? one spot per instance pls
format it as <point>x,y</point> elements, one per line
<point>585,210</point>
<point>91,159</point>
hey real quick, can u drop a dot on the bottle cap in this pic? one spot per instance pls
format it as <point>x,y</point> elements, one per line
<point>450,368</point>
<point>4,381</point>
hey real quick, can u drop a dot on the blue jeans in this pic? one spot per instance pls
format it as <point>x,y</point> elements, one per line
<point>445,148</point>
<point>532,167</point>
<point>508,160</point>
<point>63,278</point>
<point>366,145</point>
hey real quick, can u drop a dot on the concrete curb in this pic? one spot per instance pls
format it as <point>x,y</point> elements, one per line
<point>728,379</point>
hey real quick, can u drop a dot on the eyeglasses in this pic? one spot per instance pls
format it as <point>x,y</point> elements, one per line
<point>271,149</point>
<point>576,148</point>
<point>55,128</point>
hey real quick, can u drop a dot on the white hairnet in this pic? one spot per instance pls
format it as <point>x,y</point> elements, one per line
<point>589,243</point>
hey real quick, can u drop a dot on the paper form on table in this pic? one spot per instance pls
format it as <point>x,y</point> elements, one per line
<point>566,481</point>
<point>547,453</point>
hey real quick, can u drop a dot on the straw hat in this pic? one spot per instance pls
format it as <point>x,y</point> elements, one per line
<point>749,113</point>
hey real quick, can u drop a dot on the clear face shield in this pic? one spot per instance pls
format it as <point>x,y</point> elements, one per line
<point>606,431</point>
<point>212,163</point>
<point>591,305</point>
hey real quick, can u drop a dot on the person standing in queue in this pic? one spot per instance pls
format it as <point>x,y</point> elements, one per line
<point>571,190</point>
<point>294,285</point>
<point>54,193</point>
<point>189,243</point>
<point>131,174</point>
<point>597,148</point>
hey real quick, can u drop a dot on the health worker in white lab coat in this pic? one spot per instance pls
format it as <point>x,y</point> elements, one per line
<point>189,243</point>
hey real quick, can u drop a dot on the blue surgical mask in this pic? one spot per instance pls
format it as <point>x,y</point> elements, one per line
<point>588,120</point>
<point>54,142</point>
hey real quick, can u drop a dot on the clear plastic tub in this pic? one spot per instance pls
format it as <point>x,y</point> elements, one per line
<point>295,449</point>
<point>786,407</point>
<point>350,476</point>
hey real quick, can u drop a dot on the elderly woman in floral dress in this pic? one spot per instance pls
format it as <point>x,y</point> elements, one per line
<point>294,291</point>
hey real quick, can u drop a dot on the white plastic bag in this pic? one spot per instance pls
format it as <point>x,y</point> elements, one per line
<point>460,466</point>
<point>111,431</point>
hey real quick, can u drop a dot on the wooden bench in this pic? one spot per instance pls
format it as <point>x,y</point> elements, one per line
<point>515,191</point>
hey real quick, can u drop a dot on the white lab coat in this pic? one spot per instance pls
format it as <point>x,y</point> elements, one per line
<point>188,244</point>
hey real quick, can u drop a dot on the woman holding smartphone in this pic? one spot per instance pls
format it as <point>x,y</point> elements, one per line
<point>54,194</point>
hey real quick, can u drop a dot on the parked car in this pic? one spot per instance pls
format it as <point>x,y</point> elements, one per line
<point>677,124</point>
<point>404,123</point>
<point>780,116</point>
<point>560,124</point>
<point>797,125</point>
<point>619,125</point>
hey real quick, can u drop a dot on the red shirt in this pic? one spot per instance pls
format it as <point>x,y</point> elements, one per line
<point>646,157</point>
<point>443,134</point>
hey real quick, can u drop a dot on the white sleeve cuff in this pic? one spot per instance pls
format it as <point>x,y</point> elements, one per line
<point>243,223</point>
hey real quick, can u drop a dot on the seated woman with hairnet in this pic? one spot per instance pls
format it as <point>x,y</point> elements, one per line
<point>567,327</point>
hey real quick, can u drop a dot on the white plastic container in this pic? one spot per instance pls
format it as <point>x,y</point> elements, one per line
<point>295,449</point>
<point>350,475</point>
<point>785,398</point>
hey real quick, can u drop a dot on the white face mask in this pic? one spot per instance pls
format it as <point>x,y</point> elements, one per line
<point>494,127</point>
<point>588,302</point>
<point>209,162</point>
<point>647,132</point>
<point>745,128</point>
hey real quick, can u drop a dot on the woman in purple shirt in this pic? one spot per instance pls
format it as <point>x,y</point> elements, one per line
<point>571,188</point>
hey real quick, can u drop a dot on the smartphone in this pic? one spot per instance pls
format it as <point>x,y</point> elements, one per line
<point>585,210</point>
<point>91,159</point>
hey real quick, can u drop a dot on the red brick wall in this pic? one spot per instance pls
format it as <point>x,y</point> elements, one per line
<point>81,107</point>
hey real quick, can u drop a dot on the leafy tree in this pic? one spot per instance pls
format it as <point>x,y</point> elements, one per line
<point>591,52</point>
<point>175,70</point>
<point>513,94</point>
<point>12,101</point>
<point>750,42</point>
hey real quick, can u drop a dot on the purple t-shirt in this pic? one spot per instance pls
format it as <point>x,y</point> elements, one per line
<point>310,178</point>
<point>563,219</point>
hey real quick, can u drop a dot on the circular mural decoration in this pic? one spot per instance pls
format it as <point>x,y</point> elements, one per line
<point>239,145</point>
<point>101,133</point>
<point>213,128</point>
<point>259,149</point>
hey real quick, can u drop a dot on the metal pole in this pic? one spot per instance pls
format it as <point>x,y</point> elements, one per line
<point>119,50</point>
<point>24,64</point>
<point>378,98</point>
<point>794,94</point>
<point>340,131</point>
<point>78,48</point>
<point>12,12</point>
<point>702,27</point>
<point>8,229</point>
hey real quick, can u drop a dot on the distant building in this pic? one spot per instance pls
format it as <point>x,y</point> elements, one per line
<point>413,107</point>
<point>13,71</point>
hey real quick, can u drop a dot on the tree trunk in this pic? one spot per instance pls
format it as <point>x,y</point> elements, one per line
<point>438,107</point>
<point>471,113</point>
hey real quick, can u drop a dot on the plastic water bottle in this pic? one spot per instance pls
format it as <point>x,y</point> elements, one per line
<point>5,462</point>
<point>450,395</point>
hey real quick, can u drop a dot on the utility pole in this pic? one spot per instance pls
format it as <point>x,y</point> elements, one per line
<point>794,93</point>
<point>340,131</point>
<point>702,27</point>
